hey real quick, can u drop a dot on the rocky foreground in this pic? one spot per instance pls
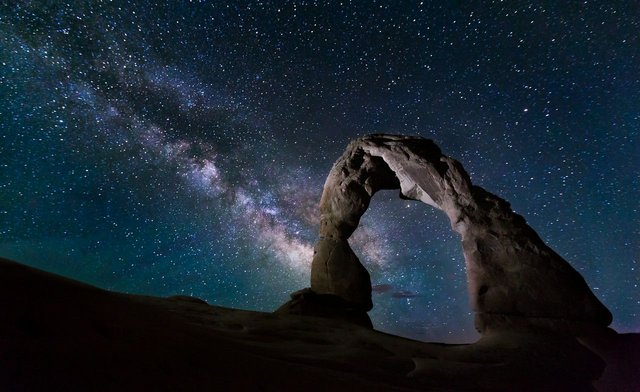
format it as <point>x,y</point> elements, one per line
<point>62,335</point>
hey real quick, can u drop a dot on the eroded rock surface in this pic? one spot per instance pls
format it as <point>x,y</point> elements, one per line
<point>511,273</point>
<point>57,334</point>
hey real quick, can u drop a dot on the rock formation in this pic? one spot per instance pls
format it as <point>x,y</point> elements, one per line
<point>57,334</point>
<point>512,276</point>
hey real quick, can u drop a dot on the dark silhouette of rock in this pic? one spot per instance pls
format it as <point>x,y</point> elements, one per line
<point>307,303</point>
<point>513,277</point>
<point>57,334</point>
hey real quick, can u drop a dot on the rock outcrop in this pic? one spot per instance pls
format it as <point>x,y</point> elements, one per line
<point>513,277</point>
<point>57,334</point>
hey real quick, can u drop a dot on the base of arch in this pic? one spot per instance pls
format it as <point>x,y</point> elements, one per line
<point>306,302</point>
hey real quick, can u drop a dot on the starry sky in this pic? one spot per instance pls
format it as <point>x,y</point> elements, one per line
<point>181,147</point>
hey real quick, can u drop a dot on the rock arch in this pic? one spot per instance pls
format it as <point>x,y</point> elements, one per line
<point>511,273</point>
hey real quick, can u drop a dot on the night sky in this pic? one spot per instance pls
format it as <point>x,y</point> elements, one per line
<point>181,148</point>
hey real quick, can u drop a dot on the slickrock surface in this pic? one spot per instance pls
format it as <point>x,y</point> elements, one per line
<point>61,335</point>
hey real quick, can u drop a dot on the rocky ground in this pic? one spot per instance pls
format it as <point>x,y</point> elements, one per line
<point>60,335</point>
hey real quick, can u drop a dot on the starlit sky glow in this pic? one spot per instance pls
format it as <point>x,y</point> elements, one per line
<point>179,147</point>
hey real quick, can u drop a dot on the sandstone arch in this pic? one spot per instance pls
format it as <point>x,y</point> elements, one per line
<point>511,273</point>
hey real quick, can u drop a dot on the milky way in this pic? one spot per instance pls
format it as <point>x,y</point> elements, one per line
<point>181,148</point>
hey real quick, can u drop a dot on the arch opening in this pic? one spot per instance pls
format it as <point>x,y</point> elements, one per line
<point>417,271</point>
